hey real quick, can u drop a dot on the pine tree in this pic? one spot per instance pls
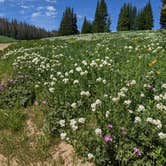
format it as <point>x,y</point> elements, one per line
<point>133,17</point>
<point>86,27</point>
<point>74,23</point>
<point>102,21</point>
<point>68,25</point>
<point>127,18</point>
<point>145,18</point>
<point>148,16</point>
<point>163,15</point>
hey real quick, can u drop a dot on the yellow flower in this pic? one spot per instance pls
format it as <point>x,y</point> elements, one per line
<point>158,72</point>
<point>153,63</point>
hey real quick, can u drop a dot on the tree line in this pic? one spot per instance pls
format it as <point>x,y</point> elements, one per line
<point>22,31</point>
<point>130,18</point>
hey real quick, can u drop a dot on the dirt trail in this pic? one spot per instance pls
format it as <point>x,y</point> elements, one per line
<point>4,45</point>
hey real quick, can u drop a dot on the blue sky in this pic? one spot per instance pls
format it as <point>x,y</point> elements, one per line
<point>48,13</point>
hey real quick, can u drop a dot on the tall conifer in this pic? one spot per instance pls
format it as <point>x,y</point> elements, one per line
<point>102,21</point>
<point>86,27</point>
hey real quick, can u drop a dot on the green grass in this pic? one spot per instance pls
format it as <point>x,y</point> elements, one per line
<point>5,39</point>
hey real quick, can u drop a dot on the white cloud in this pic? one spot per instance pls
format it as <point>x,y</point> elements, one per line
<point>51,11</point>
<point>1,1</point>
<point>50,8</point>
<point>36,14</point>
<point>24,7</point>
<point>39,8</point>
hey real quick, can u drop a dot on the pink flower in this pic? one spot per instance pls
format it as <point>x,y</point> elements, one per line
<point>107,138</point>
<point>44,102</point>
<point>137,151</point>
<point>36,103</point>
<point>110,126</point>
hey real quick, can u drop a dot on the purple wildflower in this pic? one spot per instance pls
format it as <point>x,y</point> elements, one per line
<point>110,126</point>
<point>137,151</point>
<point>2,87</point>
<point>44,102</point>
<point>107,138</point>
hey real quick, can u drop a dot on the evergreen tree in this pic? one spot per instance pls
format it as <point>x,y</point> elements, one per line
<point>145,18</point>
<point>124,19</point>
<point>127,18</point>
<point>74,23</point>
<point>68,25</point>
<point>163,15</point>
<point>102,21</point>
<point>149,16</point>
<point>133,17</point>
<point>86,27</point>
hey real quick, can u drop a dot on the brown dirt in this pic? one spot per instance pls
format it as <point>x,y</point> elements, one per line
<point>66,153</point>
<point>4,45</point>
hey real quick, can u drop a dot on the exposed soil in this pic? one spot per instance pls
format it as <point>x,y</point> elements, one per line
<point>4,45</point>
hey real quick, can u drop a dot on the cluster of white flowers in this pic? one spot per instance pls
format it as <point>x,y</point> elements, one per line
<point>62,123</point>
<point>75,82</point>
<point>127,102</point>
<point>161,106</point>
<point>107,114</point>
<point>73,124</point>
<point>162,135</point>
<point>155,122</point>
<point>81,120</point>
<point>137,119</point>
<point>140,108</point>
<point>90,156</point>
<point>74,105</point>
<point>163,86</point>
<point>98,131</point>
<point>98,102</point>
<point>85,93</point>
<point>131,83</point>
<point>63,136</point>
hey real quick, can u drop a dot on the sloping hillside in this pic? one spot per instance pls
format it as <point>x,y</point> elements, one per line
<point>104,94</point>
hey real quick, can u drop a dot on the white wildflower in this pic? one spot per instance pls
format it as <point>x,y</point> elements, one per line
<point>81,120</point>
<point>63,136</point>
<point>62,123</point>
<point>162,135</point>
<point>90,156</point>
<point>98,131</point>
<point>137,119</point>
<point>74,105</point>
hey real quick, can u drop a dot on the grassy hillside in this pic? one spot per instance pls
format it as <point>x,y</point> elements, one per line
<point>105,94</point>
<point>5,39</point>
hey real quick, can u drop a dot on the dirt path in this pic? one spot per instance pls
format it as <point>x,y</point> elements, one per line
<point>4,45</point>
